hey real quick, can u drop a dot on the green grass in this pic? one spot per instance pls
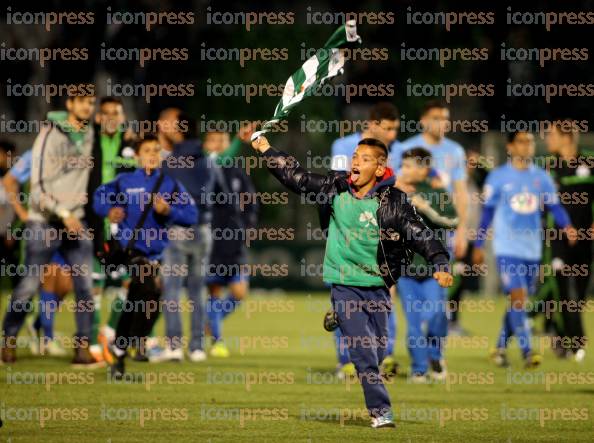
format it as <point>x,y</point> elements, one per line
<point>304,411</point>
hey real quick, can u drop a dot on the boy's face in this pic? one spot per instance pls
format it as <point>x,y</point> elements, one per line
<point>435,122</point>
<point>522,146</point>
<point>110,117</point>
<point>81,108</point>
<point>367,166</point>
<point>413,171</point>
<point>169,125</point>
<point>149,155</point>
<point>3,159</point>
<point>385,131</point>
<point>216,142</point>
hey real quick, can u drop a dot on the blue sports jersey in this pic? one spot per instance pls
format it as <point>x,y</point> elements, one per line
<point>22,168</point>
<point>519,198</point>
<point>343,149</point>
<point>449,159</point>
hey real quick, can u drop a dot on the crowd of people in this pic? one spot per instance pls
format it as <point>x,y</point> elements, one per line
<point>100,207</point>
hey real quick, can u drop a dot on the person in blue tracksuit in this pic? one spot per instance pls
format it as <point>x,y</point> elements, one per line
<point>123,201</point>
<point>515,196</point>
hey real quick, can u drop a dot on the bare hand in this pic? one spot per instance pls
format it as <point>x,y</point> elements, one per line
<point>161,206</point>
<point>116,215</point>
<point>261,144</point>
<point>478,256</point>
<point>21,213</point>
<point>73,224</point>
<point>444,279</point>
<point>246,131</point>
<point>572,235</point>
<point>460,243</point>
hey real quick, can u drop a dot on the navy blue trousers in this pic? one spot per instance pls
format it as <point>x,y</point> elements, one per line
<point>363,319</point>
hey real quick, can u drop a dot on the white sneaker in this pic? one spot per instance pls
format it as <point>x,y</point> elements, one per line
<point>54,349</point>
<point>579,355</point>
<point>168,354</point>
<point>385,421</point>
<point>418,379</point>
<point>34,340</point>
<point>197,356</point>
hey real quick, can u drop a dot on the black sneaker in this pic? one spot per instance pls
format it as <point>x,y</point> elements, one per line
<point>118,369</point>
<point>330,321</point>
<point>140,355</point>
<point>438,370</point>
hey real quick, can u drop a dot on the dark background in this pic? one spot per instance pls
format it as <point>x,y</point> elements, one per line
<point>394,71</point>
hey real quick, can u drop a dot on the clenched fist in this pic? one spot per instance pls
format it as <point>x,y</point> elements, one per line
<point>444,279</point>
<point>261,144</point>
<point>116,215</point>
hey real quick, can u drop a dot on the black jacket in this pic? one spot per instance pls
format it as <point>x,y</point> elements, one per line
<point>402,231</point>
<point>230,214</point>
<point>95,222</point>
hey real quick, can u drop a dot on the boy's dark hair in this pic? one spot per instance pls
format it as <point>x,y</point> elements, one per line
<point>106,100</point>
<point>374,143</point>
<point>187,125</point>
<point>432,104</point>
<point>7,147</point>
<point>383,111</point>
<point>149,137</point>
<point>420,155</point>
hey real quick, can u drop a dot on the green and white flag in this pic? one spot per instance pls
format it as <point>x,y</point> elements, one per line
<point>328,62</point>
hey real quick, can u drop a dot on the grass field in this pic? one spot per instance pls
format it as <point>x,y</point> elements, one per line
<point>282,389</point>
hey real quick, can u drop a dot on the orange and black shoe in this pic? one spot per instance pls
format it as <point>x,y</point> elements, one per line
<point>104,342</point>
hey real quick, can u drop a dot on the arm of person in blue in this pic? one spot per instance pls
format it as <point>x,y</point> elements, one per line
<point>550,199</point>
<point>182,208</point>
<point>492,196</point>
<point>107,196</point>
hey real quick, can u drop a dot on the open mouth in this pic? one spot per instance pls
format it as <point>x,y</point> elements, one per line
<point>355,174</point>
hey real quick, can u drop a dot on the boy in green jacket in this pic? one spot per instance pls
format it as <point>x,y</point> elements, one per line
<point>372,233</point>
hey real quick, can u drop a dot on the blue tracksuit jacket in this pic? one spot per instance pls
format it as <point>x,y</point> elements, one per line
<point>131,191</point>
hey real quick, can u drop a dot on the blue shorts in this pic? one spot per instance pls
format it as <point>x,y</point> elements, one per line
<point>518,273</point>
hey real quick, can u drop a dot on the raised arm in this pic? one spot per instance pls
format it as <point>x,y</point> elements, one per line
<point>287,169</point>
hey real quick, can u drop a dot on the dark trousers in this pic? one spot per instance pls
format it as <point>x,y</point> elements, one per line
<point>141,309</point>
<point>363,319</point>
<point>578,258</point>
